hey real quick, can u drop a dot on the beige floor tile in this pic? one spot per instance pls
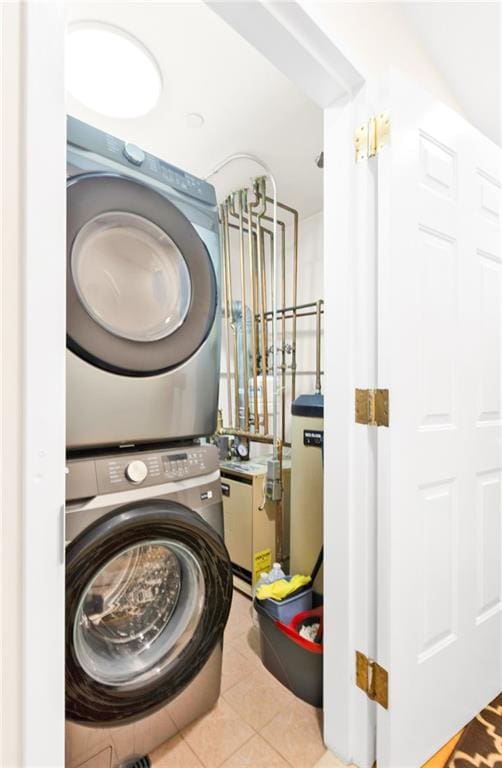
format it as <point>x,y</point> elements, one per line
<point>255,753</point>
<point>258,698</point>
<point>296,733</point>
<point>240,599</point>
<point>175,753</point>
<point>241,603</point>
<point>240,596</point>
<point>248,644</point>
<point>217,735</point>
<point>236,626</point>
<point>240,619</point>
<point>328,760</point>
<point>235,668</point>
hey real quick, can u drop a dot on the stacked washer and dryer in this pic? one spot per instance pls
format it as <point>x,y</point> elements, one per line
<point>148,578</point>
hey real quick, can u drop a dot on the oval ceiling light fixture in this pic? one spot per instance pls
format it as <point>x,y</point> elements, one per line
<point>111,72</point>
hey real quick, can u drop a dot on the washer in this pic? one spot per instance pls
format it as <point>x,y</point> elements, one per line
<point>143,274</point>
<point>148,593</point>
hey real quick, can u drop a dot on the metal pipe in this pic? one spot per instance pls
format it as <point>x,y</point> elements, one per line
<point>283,334</point>
<point>250,207</point>
<point>279,521</point>
<point>257,438</point>
<point>217,169</point>
<point>260,242</point>
<point>227,305</point>
<point>283,206</point>
<point>295,300</point>
<point>260,232</point>
<point>298,315</point>
<point>237,417</point>
<point>307,305</point>
<point>318,349</point>
<point>282,226</point>
<point>236,226</point>
<point>245,371</point>
<point>295,214</point>
<point>264,327</point>
<point>233,326</point>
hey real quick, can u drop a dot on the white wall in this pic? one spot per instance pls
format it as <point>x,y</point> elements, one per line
<point>310,288</point>
<point>377,36</point>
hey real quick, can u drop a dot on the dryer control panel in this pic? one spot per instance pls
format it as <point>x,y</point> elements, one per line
<point>93,140</point>
<point>87,477</point>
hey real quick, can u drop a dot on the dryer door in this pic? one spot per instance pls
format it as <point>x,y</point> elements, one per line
<point>148,593</point>
<point>141,286</point>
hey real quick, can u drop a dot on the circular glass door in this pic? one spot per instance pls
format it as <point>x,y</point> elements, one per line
<point>148,593</point>
<point>138,613</point>
<point>141,284</point>
<point>130,276</point>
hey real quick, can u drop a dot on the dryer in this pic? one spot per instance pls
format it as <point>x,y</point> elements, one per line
<point>143,274</point>
<point>148,593</point>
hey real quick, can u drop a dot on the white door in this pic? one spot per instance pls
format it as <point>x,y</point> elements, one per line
<point>440,462</point>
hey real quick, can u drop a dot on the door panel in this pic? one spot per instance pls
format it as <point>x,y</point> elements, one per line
<point>238,512</point>
<point>440,462</point>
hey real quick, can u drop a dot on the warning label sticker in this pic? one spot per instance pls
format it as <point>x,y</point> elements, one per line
<point>262,563</point>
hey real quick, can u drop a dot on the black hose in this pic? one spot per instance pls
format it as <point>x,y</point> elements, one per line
<point>317,566</point>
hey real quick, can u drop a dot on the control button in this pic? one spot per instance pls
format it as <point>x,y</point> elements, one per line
<point>134,154</point>
<point>136,471</point>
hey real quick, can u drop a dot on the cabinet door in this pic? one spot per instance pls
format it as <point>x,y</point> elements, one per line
<point>237,509</point>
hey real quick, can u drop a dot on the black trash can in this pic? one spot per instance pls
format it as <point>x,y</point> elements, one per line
<point>297,663</point>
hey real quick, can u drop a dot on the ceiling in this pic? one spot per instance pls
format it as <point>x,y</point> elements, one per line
<point>463,41</point>
<point>247,104</point>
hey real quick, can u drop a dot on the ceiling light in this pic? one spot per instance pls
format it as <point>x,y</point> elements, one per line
<point>110,72</point>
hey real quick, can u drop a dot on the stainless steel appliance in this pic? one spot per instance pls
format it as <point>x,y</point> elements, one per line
<point>143,274</point>
<point>148,592</point>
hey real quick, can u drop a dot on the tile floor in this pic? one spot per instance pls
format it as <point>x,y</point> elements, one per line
<point>256,722</point>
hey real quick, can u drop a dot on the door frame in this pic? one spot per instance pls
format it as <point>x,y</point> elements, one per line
<point>288,36</point>
<point>33,222</point>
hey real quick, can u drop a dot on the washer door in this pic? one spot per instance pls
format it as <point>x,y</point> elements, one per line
<point>148,593</point>
<point>141,288</point>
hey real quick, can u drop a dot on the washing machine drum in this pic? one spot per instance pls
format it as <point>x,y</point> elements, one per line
<point>148,593</point>
<point>141,288</point>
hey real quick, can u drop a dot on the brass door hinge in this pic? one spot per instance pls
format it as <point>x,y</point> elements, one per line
<point>372,136</point>
<point>372,407</point>
<point>372,679</point>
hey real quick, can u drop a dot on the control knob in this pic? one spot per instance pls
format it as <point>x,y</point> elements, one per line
<point>134,154</point>
<point>136,471</point>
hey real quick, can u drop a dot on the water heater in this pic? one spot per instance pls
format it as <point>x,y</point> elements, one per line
<point>306,502</point>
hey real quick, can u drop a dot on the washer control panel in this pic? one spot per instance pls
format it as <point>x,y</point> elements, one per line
<point>136,471</point>
<point>128,470</point>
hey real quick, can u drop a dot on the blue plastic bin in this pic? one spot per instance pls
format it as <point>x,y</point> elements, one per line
<point>284,610</point>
